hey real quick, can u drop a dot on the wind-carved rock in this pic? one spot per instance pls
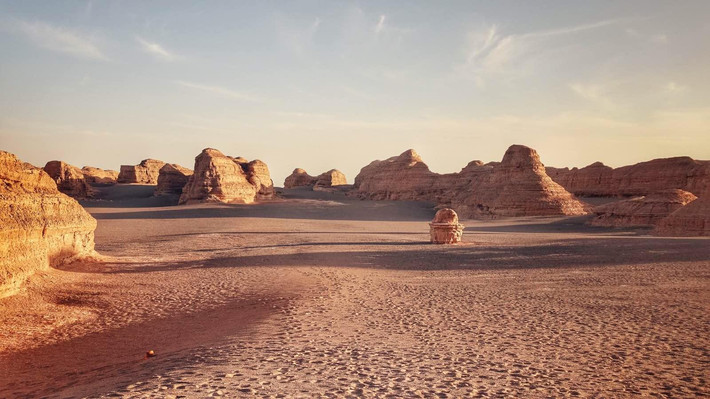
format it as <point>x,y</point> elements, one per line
<point>445,228</point>
<point>688,221</point>
<point>219,178</point>
<point>39,226</point>
<point>404,177</point>
<point>99,176</point>
<point>326,180</point>
<point>70,179</point>
<point>299,178</point>
<point>643,178</point>
<point>145,172</point>
<point>641,211</point>
<point>171,179</point>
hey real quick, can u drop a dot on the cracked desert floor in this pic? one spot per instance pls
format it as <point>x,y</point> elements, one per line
<point>320,295</point>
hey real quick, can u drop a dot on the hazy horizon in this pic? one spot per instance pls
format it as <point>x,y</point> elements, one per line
<point>322,85</point>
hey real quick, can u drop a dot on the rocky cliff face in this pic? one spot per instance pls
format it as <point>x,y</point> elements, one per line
<point>219,178</point>
<point>145,172</point>
<point>171,179</point>
<point>688,221</point>
<point>39,226</point>
<point>641,211</point>
<point>70,179</point>
<point>99,176</point>
<point>517,186</point>
<point>643,178</point>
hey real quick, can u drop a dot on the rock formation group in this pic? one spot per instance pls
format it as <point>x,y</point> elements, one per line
<point>326,180</point>
<point>70,179</point>
<point>171,179</point>
<point>99,176</point>
<point>145,172</point>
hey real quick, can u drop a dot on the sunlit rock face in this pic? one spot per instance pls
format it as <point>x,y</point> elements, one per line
<point>99,176</point>
<point>688,221</point>
<point>641,211</point>
<point>516,186</point>
<point>39,226</point>
<point>445,228</point>
<point>643,178</point>
<point>146,172</point>
<point>220,178</point>
<point>70,179</point>
<point>171,179</point>
<point>300,178</point>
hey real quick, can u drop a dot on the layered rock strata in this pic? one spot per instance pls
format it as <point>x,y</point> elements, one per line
<point>99,176</point>
<point>300,178</point>
<point>145,172</point>
<point>641,211</point>
<point>171,179</point>
<point>39,226</point>
<point>219,178</point>
<point>70,179</point>
<point>691,220</point>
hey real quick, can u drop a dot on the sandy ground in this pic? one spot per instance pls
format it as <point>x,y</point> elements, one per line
<point>321,295</point>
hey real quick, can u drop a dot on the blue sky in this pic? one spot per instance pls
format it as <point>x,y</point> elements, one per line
<point>330,84</point>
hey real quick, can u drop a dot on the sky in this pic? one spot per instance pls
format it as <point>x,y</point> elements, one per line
<point>337,84</point>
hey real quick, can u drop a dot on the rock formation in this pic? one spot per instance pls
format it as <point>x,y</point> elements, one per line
<point>70,179</point>
<point>145,172</point>
<point>171,179</point>
<point>39,226</point>
<point>99,176</point>
<point>517,186</point>
<point>688,221</point>
<point>643,178</point>
<point>445,228</point>
<point>300,178</point>
<point>641,211</point>
<point>219,178</point>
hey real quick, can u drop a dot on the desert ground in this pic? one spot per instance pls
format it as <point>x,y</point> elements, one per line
<point>323,295</point>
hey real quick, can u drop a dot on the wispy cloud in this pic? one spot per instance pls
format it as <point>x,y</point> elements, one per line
<point>659,38</point>
<point>380,24</point>
<point>592,92</point>
<point>61,40</point>
<point>156,50</point>
<point>221,91</point>
<point>295,35</point>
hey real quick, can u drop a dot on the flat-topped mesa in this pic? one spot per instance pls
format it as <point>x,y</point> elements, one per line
<point>219,178</point>
<point>39,226</point>
<point>641,211</point>
<point>404,177</point>
<point>691,220</point>
<point>643,178</point>
<point>145,172</point>
<point>99,176</point>
<point>299,178</point>
<point>70,179</point>
<point>171,179</point>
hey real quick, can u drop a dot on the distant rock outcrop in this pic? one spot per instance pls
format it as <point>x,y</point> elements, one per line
<point>688,221</point>
<point>99,176</point>
<point>300,178</point>
<point>145,172</point>
<point>171,179</point>
<point>643,178</point>
<point>70,179</point>
<point>219,178</point>
<point>39,226</point>
<point>641,211</point>
<point>517,186</point>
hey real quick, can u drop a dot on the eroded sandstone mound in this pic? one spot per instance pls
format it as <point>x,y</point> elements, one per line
<point>219,178</point>
<point>99,176</point>
<point>517,186</point>
<point>688,221</point>
<point>643,178</point>
<point>641,211</point>
<point>329,179</point>
<point>39,226</point>
<point>171,179</point>
<point>299,178</point>
<point>70,179</point>
<point>145,172</point>
<point>445,228</point>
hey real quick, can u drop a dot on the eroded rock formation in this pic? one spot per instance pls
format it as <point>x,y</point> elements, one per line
<point>70,179</point>
<point>517,186</point>
<point>219,178</point>
<point>641,211</point>
<point>643,178</point>
<point>300,178</point>
<point>99,176</point>
<point>39,226</point>
<point>688,221</point>
<point>445,228</point>
<point>171,179</point>
<point>145,172</point>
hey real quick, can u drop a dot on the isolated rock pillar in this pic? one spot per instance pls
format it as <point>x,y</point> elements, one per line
<point>445,228</point>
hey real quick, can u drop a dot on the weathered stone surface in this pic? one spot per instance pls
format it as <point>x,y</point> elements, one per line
<point>688,221</point>
<point>99,176</point>
<point>70,179</point>
<point>643,178</point>
<point>171,179</point>
<point>145,172</point>
<point>517,186</point>
<point>329,179</point>
<point>39,226</point>
<point>445,228</point>
<point>219,178</point>
<point>641,211</point>
<point>299,178</point>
